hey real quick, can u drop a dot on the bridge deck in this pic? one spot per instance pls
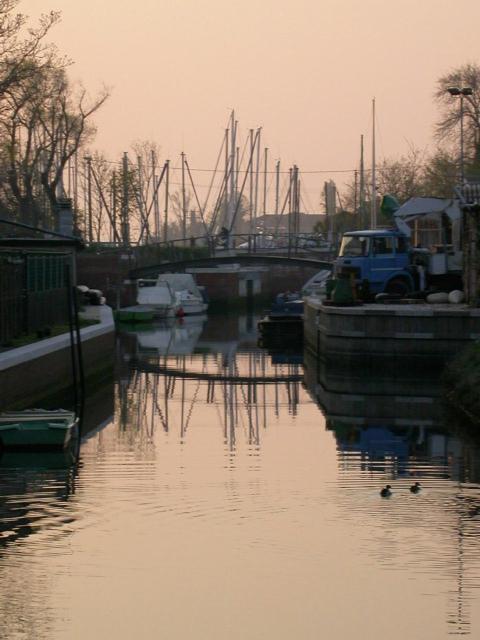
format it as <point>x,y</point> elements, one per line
<point>242,260</point>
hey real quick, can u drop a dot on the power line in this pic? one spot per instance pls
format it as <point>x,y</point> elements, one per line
<point>310,171</point>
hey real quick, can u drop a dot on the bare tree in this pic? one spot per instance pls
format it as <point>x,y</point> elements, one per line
<point>448,125</point>
<point>402,177</point>
<point>20,55</point>
<point>440,175</point>
<point>148,172</point>
<point>45,120</point>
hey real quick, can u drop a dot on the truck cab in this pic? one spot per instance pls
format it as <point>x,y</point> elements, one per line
<point>379,256</point>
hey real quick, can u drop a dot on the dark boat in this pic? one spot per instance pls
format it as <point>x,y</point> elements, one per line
<point>283,322</point>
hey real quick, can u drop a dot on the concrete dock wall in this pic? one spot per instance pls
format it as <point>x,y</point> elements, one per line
<point>403,331</point>
<point>40,370</point>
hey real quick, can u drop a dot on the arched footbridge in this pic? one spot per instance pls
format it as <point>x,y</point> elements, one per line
<point>151,271</point>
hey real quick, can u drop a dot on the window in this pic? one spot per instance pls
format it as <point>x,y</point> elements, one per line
<point>383,245</point>
<point>354,246</point>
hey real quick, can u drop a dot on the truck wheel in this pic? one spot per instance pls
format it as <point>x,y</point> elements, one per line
<point>398,287</point>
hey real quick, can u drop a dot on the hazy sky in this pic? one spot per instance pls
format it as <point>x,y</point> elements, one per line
<point>306,71</point>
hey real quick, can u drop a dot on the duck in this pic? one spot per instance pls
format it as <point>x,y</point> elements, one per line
<point>385,492</point>
<point>415,488</point>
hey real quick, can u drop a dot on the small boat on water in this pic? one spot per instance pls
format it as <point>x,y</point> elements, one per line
<point>284,320</point>
<point>37,429</point>
<point>157,296</point>
<point>188,295</point>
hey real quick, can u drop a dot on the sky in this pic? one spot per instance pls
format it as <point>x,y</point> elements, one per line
<point>305,71</point>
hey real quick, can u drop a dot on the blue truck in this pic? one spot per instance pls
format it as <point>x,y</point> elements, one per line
<point>380,258</point>
<point>423,251</point>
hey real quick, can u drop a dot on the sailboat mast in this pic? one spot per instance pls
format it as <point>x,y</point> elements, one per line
<point>233,148</point>
<point>373,215</point>
<point>265,171</point>
<point>361,196</point>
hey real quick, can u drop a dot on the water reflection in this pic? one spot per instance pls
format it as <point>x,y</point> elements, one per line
<point>392,425</point>
<point>235,479</point>
<point>223,369</point>
<point>36,486</point>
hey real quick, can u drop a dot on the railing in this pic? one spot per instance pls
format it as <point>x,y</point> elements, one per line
<point>208,246</point>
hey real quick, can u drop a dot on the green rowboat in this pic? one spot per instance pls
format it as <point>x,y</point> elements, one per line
<point>135,314</point>
<point>37,429</point>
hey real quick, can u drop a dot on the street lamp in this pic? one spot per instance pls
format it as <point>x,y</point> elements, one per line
<point>464,91</point>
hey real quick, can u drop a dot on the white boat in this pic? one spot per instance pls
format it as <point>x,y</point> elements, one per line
<point>179,338</point>
<point>188,296</point>
<point>158,296</point>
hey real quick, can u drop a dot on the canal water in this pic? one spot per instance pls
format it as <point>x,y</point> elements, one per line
<point>229,491</point>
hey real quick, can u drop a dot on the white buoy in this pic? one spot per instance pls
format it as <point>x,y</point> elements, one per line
<point>456,296</point>
<point>437,298</point>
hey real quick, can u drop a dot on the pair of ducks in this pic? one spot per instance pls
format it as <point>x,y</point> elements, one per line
<point>386,491</point>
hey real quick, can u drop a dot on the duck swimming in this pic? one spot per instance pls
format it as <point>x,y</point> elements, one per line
<point>385,492</point>
<point>415,488</point>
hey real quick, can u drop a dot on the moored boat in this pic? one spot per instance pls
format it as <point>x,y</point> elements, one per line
<point>137,313</point>
<point>37,429</point>
<point>284,321</point>
<point>158,296</point>
<point>188,296</point>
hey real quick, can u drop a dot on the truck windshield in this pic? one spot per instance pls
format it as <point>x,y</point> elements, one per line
<point>354,246</point>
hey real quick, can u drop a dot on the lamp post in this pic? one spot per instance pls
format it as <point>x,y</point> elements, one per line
<point>464,91</point>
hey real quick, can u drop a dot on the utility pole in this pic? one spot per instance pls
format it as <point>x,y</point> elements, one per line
<point>227,160</point>
<point>265,164</point>
<point>184,203</point>
<point>167,180</point>
<point>75,190</point>
<point>295,201</point>
<point>361,198</point>
<point>251,181</point>
<point>114,203</point>
<point>373,218</point>
<point>89,197</point>
<point>231,201</point>
<point>355,189</point>
<point>141,200</point>
<point>125,230</point>
<point>290,209</point>
<point>277,187</point>
<point>156,209</point>
<point>257,169</point>
<point>237,172</point>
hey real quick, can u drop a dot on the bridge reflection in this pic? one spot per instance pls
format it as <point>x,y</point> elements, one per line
<point>172,371</point>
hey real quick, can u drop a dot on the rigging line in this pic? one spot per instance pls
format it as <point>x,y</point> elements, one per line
<point>302,201</point>
<point>196,197</point>
<point>144,226</point>
<point>214,174</point>
<point>190,410</point>
<point>100,191</point>
<point>307,199</point>
<point>218,202</point>
<point>278,217</point>
<point>160,412</point>
<point>255,142</point>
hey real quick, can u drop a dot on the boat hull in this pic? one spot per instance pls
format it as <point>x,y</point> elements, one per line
<point>37,430</point>
<point>193,308</point>
<point>135,314</point>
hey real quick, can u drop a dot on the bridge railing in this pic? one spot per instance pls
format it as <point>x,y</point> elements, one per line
<point>210,246</point>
